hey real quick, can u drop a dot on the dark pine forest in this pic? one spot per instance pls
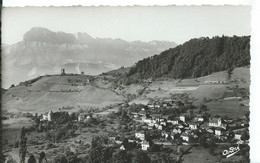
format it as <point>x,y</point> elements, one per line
<point>195,58</point>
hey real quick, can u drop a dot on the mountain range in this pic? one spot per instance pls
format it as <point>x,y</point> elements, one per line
<point>43,51</point>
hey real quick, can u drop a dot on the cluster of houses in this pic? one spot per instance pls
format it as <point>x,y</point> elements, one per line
<point>168,103</point>
<point>188,129</point>
<point>215,82</point>
<point>84,117</point>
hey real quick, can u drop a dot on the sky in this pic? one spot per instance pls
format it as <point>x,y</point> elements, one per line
<point>168,23</point>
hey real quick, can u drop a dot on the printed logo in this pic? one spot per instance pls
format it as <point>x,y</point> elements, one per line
<point>231,151</point>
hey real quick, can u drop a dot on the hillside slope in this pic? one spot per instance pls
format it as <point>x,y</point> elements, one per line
<point>54,92</point>
<point>196,58</point>
<point>217,85</point>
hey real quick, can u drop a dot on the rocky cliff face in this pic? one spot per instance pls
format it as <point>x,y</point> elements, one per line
<point>45,52</point>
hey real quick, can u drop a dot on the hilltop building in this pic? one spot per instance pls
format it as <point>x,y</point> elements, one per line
<point>63,71</point>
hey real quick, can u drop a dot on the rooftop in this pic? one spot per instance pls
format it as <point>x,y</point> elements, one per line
<point>213,120</point>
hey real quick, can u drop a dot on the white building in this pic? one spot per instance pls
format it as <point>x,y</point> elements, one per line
<point>146,120</point>
<point>161,127</point>
<point>215,122</point>
<point>145,145</point>
<point>193,126</point>
<point>175,122</point>
<point>165,134</point>
<point>185,137</point>
<point>182,118</point>
<point>210,131</point>
<point>238,136</point>
<point>45,117</point>
<point>83,117</point>
<point>199,118</point>
<point>218,131</point>
<point>163,123</point>
<point>50,116</point>
<point>122,147</point>
<point>140,135</point>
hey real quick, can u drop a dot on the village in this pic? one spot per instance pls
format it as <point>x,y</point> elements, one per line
<point>166,122</point>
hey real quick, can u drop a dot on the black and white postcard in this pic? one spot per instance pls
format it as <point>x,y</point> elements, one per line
<point>126,84</point>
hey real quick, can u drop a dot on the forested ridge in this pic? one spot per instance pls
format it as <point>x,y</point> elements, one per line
<point>195,58</point>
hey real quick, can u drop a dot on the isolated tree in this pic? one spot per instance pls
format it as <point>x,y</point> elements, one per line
<point>229,71</point>
<point>42,157</point>
<point>36,121</point>
<point>31,159</point>
<point>244,136</point>
<point>73,116</point>
<point>23,146</point>
<point>125,143</point>
<point>124,118</point>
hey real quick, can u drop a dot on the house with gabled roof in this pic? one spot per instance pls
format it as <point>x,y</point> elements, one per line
<point>145,145</point>
<point>199,118</point>
<point>218,131</point>
<point>239,133</point>
<point>193,125</point>
<point>146,119</point>
<point>140,135</point>
<point>173,121</point>
<point>210,131</point>
<point>182,118</point>
<point>185,136</point>
<point>161,127</point>
<point>215,122</point>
